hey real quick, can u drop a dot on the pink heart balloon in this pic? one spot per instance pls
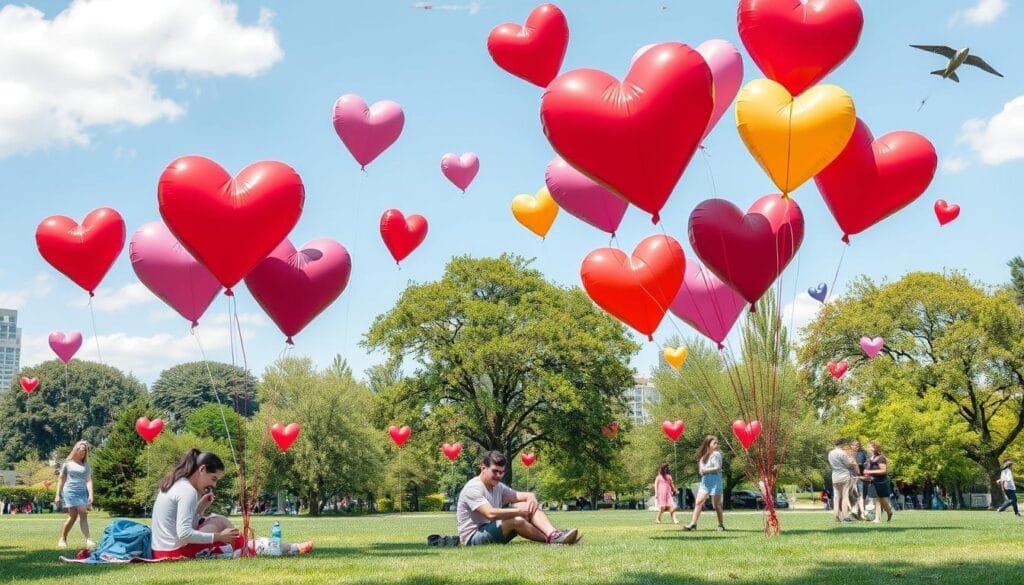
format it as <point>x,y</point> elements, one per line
<point>293,287</point>
<point>726,66</point>
<point>65,345</point>
<point>367,131</point>
<point>706,303</point>
<point>460,170</point>
<point>871,346</point>
<point>174,275</point>
<point>584,198</point>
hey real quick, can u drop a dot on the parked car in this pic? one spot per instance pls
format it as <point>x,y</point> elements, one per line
<point>781,501</point>
<point>746,499</point>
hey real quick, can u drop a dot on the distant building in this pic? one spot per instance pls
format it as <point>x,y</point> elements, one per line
<point>639,398</point>
<point>10,347</point>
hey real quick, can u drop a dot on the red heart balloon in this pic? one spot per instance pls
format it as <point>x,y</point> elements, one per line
<point>528,458</point>
<point>82,252</point>
<point>229,224</point>
<point>452,451</point>
<point>47,484</point>
<point>399,435</point>
<point>402,235</point>
<point>872,179</point>
<point>748,252</point>
<point>148,429</point>
<point>636,290</point>
<point>610,430</point>
<point>293,287</point>
<point>837,370</point>
<point>284,436</point>
<point>746,433</point>
<point>798,42</point>
<point>29,384</point>
<point>946,212</point>
<point>533,52</point>
<point>635,136</point>
<point>673,430</point>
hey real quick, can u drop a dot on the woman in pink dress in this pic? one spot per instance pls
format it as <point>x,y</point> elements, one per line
<point>664,492</point>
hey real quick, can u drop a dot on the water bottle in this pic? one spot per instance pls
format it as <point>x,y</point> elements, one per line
<point>275,540</point>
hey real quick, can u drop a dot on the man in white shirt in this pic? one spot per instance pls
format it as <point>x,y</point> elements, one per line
<point>481,519</point>
<point>1005,481</point>
<point>842,479</point>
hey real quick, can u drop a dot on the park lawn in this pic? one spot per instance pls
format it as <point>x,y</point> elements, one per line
<point>620,547</point>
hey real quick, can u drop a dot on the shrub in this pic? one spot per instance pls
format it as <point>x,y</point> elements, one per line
<point>385,505</point>
<point>432,503</point>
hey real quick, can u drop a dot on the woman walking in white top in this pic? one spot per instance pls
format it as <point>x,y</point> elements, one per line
<point>1009,489</point>
<point>74,492</point>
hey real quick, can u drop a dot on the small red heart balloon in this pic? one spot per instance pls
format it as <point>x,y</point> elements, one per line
<point>837,370</point>
<point>451,451</point>
<point>82,252</point>
<point>873,179</point>
<point>229,223</point>
<point>47,484</point>
<point>399,435</point>
<point>946,212</point>
<point>402,235</point>
<point>637,136</point>
<point>673,429</point>
<point>636,290</point>
<point>29,384</point>
<point>746,433</point>
<point>748,252</point>
<point>148,429</point>
<point>798,42</point>
<point>528,458</point>
<point>284,436</point>
<point>610,430</point>
<point>533,52</point>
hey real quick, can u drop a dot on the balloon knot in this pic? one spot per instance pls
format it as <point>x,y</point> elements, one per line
<point>289,341</point>
<point>721,346</point>
<point>650,338</point>
<point>655,218</point>
<point>753,308</point>
<point>846,239</point>
<point>91,294</point>
<point>194,325</point>
<point>228,292</point>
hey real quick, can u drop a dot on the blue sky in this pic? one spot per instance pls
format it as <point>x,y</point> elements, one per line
<point>94,104</point>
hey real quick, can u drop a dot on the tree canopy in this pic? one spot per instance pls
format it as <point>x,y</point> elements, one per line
<point>185,387</point>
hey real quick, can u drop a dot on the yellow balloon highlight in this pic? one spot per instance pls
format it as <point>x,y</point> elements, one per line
<point>793,139</point>
<point>537,213</point>
<point>675,356</point>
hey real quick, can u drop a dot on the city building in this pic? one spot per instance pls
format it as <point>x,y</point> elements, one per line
<point>10,347</point>
<point>639,398</point>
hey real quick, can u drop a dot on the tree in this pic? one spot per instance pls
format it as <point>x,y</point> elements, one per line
<point>1017,278</point>
<point>32,471</point>
<point>183,388</point>
<point>116,464</point>
<point>70,404</point>
<point>211,420</point>
<point>943,335</point>
<point>519,361</point>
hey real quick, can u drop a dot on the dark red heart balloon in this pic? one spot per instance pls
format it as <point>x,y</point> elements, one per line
<point>148,429</point>
<point>229,223</point>
<point>639,289</point>
<point>637,136</point>
<point>528,458</point>
<point>399,435</point>
<point>673,429</point>
<point>82,252</point>
<point>748,252</point>
<point>872,179</point>
<point>746,433</point>
<point>451,451</point>
<point>610,430</point>
<point>798,42</point>
<point>946,212</point>
<point>284,436</point>
<point>533,52</point>
<point>402,234</point>
<point>837,370</point>
<point>29,384</point>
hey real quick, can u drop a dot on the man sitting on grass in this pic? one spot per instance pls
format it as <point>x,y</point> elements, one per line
<point>482,520</point>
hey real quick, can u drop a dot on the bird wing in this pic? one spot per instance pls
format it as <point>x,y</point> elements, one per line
<point>947,52</point>
<point>977,62</point>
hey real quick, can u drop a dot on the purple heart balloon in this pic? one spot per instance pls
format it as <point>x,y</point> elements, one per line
<point>460,170</point>
<point>65,345</point>
<point>366,130</point>
<point>706,303</point>
<point>819,292</point>
<point>726,66</point>
<point>871,346</point>
<point>584,198</point>
<point>167,269</point>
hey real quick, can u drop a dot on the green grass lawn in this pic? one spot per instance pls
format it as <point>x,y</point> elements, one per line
<point>620,547</point>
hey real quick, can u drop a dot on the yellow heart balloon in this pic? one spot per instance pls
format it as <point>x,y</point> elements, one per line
<point>537,213</point>
<point>675,356</point>
<point>793,139</point>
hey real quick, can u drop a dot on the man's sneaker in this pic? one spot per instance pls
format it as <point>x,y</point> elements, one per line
<point>689,527</point>
<point>564,537</point>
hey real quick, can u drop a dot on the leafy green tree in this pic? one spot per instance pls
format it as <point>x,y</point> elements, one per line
<point>1017,278</point>
<point>32,471</point>
<point>68,405</point>
<point>185,387</point>
<point>519,361</point>
<point>116,464</point>
<point>211,420</point>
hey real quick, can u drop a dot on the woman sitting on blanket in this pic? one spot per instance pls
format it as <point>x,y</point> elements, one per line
<point>179,528</point>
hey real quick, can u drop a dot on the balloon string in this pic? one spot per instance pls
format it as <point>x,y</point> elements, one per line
<point>835,277</point>
<point>708,171</point>
<point>95,335</point>
<point>216,394</point>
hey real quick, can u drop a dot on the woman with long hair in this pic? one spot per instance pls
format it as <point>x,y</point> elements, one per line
<point>877,472</point>
<point>709,466</point>
<point>74,493</point>
<point>664,492</point>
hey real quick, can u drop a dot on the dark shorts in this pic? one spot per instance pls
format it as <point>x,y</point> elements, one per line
<point>490,533</point>
<point>882,489</point>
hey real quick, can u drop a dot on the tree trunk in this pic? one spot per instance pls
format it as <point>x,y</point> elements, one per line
<point>315,506</point>
<point>991,466</point>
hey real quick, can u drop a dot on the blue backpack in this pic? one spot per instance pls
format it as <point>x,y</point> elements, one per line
<point>123,540</point>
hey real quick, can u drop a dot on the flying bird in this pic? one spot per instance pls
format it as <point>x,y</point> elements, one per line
<point>956,59</point>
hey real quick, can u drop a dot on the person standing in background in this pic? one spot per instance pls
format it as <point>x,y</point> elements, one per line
<point>1005,482</point>
<point>664,490</point>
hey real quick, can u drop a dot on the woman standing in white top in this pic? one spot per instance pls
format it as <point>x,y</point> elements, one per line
<point>74,491</point>
<point>1009,489</point>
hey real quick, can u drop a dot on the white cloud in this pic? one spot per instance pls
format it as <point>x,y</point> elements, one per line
<point>952,165</point>
<point>16,298</point>
<point>128,295</point>
<point>799,313</point>
<point>93,64</point>
<point>998,139</point>
<point>982,13</point>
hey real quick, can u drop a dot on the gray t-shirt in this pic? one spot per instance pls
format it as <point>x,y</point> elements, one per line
<point>840,463</point>
<point>473,495</point>
<point>75,476</point>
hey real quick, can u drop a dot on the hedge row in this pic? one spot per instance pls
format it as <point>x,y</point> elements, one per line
<point>26,493</point>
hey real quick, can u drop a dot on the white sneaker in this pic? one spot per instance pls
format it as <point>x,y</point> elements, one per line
<point>62,543</point>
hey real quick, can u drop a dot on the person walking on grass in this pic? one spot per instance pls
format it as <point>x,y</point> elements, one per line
<point>842,477</point>
<point>709,465</point>
<point>1005,482</point>
<point>665,491</point>
<point>858,486</point>
<point>74,493</point>
<point>877,472</point>
<point>481,519</point>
